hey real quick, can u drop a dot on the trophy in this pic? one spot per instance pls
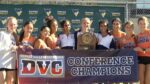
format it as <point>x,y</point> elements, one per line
<point>86,41</point>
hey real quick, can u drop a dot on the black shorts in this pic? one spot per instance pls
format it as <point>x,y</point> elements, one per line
<point>143,60</point>
<point>67,47</point>
<point>5,69</point>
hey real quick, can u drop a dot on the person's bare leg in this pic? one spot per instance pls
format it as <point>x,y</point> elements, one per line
<point>147,74</point>
<point>11,77</point>
<point>2,78</point>
<point>141,73</point>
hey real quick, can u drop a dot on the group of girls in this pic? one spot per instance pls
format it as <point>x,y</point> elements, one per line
<point>48,39</point>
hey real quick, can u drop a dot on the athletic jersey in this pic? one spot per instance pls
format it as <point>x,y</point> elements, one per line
<point>104,41</point>
<point>28,41</point>
<point>143,41</point>
<point>66,41</point>
<point>126,42</point>
<point>117,37</point>
<point>53,42</point>
<point>79,33</point>
<point>7,56</point>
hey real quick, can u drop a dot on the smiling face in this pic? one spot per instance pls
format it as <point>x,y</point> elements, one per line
<point>103,27</point>
<point>66,26</point>
<point>129,28</point>
<point>54,27</point>
<point>28,29</point>
<point>143,23</point>
<point>11,24</point>
<point>86,24</point>
<point>45,32</point>
<point>116,25</point>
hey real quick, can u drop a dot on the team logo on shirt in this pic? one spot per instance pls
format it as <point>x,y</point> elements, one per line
<point>18,11</point>
<point>143,39</point>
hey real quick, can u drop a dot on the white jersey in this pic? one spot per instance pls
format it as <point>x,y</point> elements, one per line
<point>79,33</point>
<point>7,56</point>
<point>66,40</point>
<point>105,41</point>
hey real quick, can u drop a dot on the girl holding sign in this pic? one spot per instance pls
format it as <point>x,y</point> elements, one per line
<point>40,43</point>
<point>26,39</point>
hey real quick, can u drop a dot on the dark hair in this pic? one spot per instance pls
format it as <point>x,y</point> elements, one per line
<point>50,22</point>
<point>43,27</point>
<point>47,18</point>
<point>22,31</point>
<point>102,22</point>
<point>130,23</point>
<point>116,19</point>
<point>63,22</point>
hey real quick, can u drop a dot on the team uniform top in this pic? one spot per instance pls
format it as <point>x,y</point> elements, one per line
<point>66,41</point>
<point>117,37</point>
<point>7,56</point>
<point>127,42</point>
<point>105,42</point>
<point>28,41</point>
<point>143,41</point>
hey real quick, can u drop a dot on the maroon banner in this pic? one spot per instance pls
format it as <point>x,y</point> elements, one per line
<point>76,67</point>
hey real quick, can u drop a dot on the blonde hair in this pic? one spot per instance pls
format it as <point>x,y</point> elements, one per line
<point>14,33</point>
<point>86,18</point>
<point>11,18</point>
<point>143,18</point>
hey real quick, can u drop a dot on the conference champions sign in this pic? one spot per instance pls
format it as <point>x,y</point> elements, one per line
<point>41,66</point>
<point>82,67</point>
